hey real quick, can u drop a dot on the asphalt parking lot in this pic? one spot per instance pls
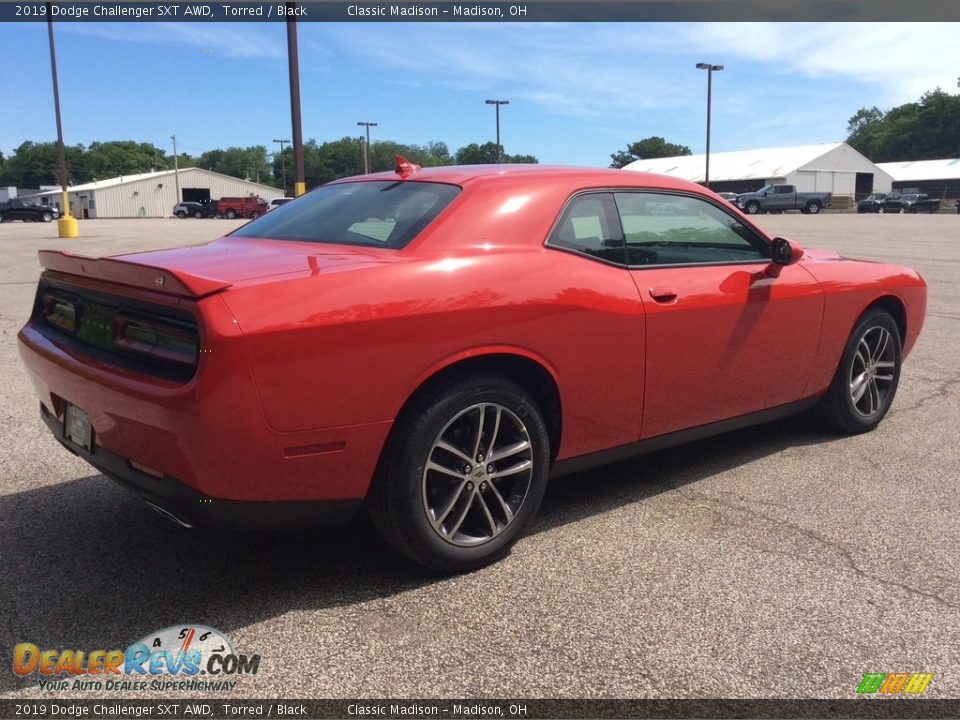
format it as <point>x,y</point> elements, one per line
<point>778,561</point>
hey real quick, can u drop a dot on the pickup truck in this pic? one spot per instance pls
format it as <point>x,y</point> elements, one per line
<point>920,202</point>
<point>779,198</point>
<point>27,210</point>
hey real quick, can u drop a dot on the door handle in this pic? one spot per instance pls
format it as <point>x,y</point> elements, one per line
<point>663,294</point>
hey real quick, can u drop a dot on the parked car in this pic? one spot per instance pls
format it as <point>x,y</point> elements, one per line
<point>435,343</point>
<point>881,203</point>
<point>780,198</point>
<point>245,207</point>
<point>277,202</point>
<point>195,209</point>
<point>27,210</point>
<point>919,202</point>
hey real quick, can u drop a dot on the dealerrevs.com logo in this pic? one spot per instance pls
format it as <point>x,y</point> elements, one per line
<point>182,657</point>
<point>894,683</point>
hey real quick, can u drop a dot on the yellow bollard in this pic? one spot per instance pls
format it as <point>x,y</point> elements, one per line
<point>67,225</point>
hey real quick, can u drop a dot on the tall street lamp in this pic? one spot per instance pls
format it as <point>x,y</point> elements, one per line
<point>497,104</point>
<point>711,69</point>
<point>293,64</point>
<point>366,147</point>
<point>283,163</point>
<point>176,168</point>
<point>67,224</point>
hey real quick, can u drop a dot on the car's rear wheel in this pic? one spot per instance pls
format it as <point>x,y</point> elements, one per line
<point>902,210</point>
<point>813,207</point>
<point>198,214</point>
<point>462,474</point>
<point>47,217</point>
<point>231,214</point>
<point>254,215</point>
<point>868,375</point>
<point>752,207</point>
<point>181,214</point>
<point>880,210</point>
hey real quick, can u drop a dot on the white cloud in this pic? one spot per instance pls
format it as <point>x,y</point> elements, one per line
<point>902,60</point>
<point>235,40</point>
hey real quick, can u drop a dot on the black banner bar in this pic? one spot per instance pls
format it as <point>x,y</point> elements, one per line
<point>190,709</point>
<point>535,11</point>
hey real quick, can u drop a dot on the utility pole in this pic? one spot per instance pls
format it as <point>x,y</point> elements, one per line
<point>176,168</point>
<point>67,226</point>
<point>293,62</point>
<point>283,164</point>
<point>366,147</point>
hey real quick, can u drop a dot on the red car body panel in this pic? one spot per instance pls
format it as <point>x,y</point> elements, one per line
<point>309,351</point>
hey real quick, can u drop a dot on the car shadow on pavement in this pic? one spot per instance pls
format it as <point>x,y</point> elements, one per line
<point>86,565</point>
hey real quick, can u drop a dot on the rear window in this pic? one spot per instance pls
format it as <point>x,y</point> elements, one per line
<point>386,214</point>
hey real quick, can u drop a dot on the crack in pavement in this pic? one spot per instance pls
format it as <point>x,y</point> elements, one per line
<point>845,555</point>
<point>941,391</point>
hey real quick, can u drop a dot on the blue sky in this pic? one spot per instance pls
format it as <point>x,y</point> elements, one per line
<point>577,92</point>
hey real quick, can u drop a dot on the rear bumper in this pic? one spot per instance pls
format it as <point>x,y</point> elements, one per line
<point>185,506</point>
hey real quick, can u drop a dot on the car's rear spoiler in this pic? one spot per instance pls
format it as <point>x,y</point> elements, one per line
<point>124,272</point>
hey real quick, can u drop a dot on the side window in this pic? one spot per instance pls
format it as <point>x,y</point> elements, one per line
<point>783,189</point>
<point>661,229</point>
<point>589,225</point>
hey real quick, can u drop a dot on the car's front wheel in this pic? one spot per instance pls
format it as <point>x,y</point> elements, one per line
<point>181,214</point>
<point>47,217</point>
<point>231,214</point>
<point>462,475</point>
<point>868,375</point>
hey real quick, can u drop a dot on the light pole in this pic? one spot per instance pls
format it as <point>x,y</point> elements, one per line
<point>497,104</point>
<point>293,65</point>
<point>283,163</point>
<point>366,147</point>
<point>176,168</point>
<point>67,224</point>
<point>711,69</point>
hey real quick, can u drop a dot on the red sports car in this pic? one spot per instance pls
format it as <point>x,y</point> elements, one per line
<point>436,343</point>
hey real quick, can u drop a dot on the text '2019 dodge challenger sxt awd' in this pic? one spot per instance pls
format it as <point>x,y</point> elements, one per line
<point>436,343</point>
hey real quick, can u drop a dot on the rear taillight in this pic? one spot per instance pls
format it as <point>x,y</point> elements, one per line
<point>59,311</point>
<point>155,340</point>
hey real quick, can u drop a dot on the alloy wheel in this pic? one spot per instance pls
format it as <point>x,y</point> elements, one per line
<point>872,371</point>
<point>477,474</point>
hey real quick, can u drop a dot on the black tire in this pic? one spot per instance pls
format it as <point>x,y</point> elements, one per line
<point>903,210</point>
<point>865,349</point>
<point>47,217</point>
<point>752,208</point>
<point>813,207</point>
<point>475,528</point>
<point>254,215</point>
<point>880,210</point>
<point>198,214</point>
<point>181,214</point>
<point>231,214</point>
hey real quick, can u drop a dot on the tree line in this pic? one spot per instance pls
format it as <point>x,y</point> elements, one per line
<point>37,163</point>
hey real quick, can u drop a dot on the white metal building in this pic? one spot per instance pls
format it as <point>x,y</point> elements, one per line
<point>937,178</point>
<point>154,194</point>
<point>835,168</point>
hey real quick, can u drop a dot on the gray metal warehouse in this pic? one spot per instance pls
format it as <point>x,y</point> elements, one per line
<point>936,178</point>
<point>836,168</point>
<point>154,194</point>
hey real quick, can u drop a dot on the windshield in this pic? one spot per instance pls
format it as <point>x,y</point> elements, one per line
<point>386,214</point>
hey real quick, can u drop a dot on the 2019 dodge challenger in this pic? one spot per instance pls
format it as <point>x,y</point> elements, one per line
<point>436,343</point>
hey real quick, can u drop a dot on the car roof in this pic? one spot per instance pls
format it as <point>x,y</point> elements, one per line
<point>584,176</point>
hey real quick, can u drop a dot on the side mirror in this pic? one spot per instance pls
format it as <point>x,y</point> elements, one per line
<point>783,252</point>
<point>786,252</point>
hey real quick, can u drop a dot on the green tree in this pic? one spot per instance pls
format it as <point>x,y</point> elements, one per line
<point>35,164</point>
<point>925,130</point>
<point>651,147</point>
<point>474,154</point>
<point>245,163</point>
<point>123,157</point>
